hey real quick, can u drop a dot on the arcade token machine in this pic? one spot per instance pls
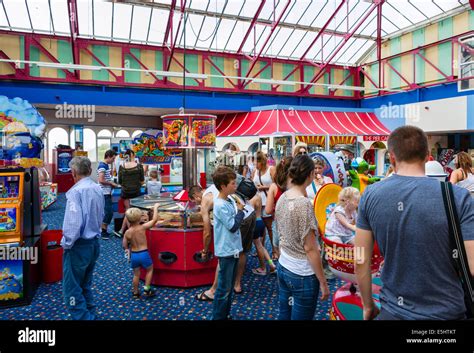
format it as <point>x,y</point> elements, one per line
<point>20,229</point>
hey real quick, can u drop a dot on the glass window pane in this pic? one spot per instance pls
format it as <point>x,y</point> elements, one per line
<point>122,133</point>
<point>122,17</point>
<point>159,21</point>
<point>90,144</point>
<point>60,16</point>
<point>16,11</point>
<point>136,133</point>
<point>84,14</point>
<point>40,17</point>
<point>104,133</point>
<point>56,136</point>
<point>141,19</point>
<point>102,146</point>
<point>102,19</point>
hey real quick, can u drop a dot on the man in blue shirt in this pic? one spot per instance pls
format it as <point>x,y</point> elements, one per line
<point>106,183</point>
<point>405,215</point>
<point>81,231</point>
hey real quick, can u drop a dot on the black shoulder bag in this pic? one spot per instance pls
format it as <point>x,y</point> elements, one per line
<point>458,249</point>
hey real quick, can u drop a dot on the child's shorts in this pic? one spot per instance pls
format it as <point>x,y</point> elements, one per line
<point>140,259</point>
<point>259,231</point>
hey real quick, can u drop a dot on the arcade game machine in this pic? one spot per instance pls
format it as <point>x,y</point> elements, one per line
<point>61,172</point>
<point>346,302</point>
<point>20,229</point>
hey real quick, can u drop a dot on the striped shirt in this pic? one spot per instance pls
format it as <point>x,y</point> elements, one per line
<point>104,168</point>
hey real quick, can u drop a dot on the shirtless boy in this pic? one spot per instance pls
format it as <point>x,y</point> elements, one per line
<point>135,236</point>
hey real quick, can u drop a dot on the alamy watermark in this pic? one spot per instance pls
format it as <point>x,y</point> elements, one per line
<point>75,111</point>
<point>9,253</point>
<point>411,112</point>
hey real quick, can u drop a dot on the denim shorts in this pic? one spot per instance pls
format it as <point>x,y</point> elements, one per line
<point>140,259</point>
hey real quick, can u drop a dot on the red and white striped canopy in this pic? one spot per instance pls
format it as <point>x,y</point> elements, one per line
<point>303,122</point>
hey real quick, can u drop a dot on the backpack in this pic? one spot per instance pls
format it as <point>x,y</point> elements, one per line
<point>245,188</point>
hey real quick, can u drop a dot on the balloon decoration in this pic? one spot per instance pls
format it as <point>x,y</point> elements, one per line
<point>22,126</point>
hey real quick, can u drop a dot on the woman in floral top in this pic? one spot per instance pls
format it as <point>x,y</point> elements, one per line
<point>300,271</point>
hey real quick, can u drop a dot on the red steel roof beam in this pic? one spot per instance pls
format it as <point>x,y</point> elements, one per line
<point>42,49</point>
<point>274,26</point>
<point>169,26</point>
<point>346,39</point>
<point>173,43</point>
<point>252,25</point>
<point>74,27</point>
<point>323,29</point>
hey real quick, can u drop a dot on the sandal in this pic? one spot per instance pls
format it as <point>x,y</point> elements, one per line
<point>203,297</point>
<point>259,272</point>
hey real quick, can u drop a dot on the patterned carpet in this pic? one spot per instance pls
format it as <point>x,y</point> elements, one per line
<point>112,286</point>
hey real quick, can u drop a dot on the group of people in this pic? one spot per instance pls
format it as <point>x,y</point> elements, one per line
<point>404,214</point>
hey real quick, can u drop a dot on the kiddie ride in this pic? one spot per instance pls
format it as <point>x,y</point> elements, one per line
<point>346,303</point>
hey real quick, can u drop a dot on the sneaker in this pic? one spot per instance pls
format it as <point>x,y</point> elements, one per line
<point>105,235</point>
<point>149,293</point>
<point>118,234</point>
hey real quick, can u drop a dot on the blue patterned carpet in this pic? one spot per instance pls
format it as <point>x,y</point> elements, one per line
<point>112,286</point>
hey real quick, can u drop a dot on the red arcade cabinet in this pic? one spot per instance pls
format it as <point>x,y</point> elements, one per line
<point>175,243</point>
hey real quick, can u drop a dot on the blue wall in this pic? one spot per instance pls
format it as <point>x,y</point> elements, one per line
<point>419,95</point>
<point>43,93</point>
<point>470,115</point>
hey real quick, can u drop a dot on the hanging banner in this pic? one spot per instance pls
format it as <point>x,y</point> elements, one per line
<point>204,132</point>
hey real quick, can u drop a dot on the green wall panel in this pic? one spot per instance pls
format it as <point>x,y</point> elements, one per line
<point>64,56</point>
<point>265,74</point>
<point>102,53</point>
<point>308,75</point>
<point>286,69</point>
<point>219,62</point>
<point>395,48</point>
<point>130,62</point>
<point>418,41</point>
<point>192,65</point>
<point>34,56</point>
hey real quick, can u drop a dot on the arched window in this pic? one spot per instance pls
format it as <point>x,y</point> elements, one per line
<point>103,142</point>
<point>90,144</point>
<point>137,133</point>
<point>56,136</point>
<point>122,133</point>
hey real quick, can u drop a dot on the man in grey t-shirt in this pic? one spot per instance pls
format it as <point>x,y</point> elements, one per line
<point>405,215</point>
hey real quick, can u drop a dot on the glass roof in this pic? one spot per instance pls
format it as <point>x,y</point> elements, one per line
<point>282,29</point>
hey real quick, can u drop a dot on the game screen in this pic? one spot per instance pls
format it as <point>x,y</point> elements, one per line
<point>11,280</point>
<point>63,162</point>
<point>8,219</point>
<point>9,186</point>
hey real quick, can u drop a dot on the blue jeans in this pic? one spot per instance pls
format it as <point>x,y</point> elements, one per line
<point>276,235</point>
<point>78,266</point>
<point>109,212</point>
<point>225,285</point>
<point>297,295</point>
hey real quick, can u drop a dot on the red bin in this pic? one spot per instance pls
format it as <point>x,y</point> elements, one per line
<point>51,256</point>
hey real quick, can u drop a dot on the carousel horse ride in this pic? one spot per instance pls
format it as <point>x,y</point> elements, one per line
<point>346,303</point>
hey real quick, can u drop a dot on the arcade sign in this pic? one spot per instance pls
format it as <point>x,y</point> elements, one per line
<point>376,138</point>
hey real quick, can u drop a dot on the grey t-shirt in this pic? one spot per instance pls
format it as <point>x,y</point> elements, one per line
<point>408,220</point>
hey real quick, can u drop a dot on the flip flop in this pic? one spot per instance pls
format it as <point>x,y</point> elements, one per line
<point>203,297</point>
<point>259,273</point>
